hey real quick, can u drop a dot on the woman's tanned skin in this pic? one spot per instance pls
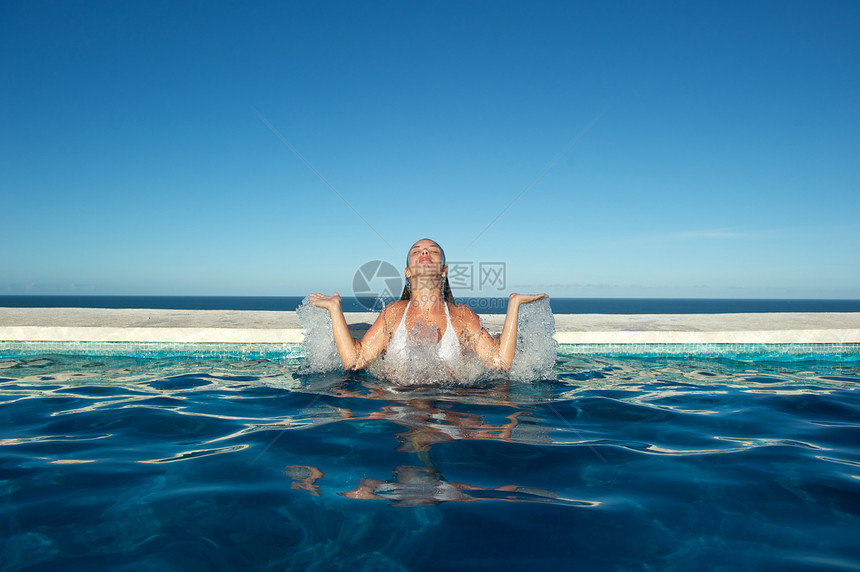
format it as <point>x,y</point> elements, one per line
<point>425,273</point>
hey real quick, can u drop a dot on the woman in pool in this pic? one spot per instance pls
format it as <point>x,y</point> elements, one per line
<point>427,307</point>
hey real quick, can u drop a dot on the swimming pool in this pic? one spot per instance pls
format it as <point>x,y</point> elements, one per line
<point>226,461</point>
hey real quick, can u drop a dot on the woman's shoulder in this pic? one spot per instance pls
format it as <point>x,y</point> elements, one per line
<point>397,305</point>
<point>395,309</point>
<point>463,314</point>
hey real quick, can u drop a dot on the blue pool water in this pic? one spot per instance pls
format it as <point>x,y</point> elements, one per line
<point>624,463</point>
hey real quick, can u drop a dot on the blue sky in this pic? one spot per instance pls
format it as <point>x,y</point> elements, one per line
<point>654,149</point>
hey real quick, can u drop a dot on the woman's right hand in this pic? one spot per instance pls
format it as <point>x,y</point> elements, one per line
<point>326,302</point>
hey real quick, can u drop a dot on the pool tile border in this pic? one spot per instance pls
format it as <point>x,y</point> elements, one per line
<point>204,350</point>
<point>295,352</point>
<point>794,351</point>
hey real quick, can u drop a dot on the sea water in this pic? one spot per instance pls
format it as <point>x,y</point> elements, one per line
<point>631,463</point>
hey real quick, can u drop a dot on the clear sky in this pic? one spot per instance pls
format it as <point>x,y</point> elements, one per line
<point>651,149</point>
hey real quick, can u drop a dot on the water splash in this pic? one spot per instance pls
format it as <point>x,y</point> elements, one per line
<point>536,347</point>
<point>320,349</point>
<point>419,365</point>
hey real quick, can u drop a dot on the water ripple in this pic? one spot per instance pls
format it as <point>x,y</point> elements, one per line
<point>619,463</point>
<point>186,455</point>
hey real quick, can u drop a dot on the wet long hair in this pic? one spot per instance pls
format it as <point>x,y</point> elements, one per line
<point>446,287</point>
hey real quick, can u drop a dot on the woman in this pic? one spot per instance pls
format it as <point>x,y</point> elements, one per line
<point>427,306</point>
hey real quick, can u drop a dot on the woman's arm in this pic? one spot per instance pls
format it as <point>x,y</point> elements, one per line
<point>353,353</point>
<point>499,352</point>
<point>508,337</point>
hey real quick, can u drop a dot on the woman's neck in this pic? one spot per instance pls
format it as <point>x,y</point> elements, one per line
<point>427,297</point>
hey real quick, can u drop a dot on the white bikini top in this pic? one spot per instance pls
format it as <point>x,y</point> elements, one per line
<point>447,350</point>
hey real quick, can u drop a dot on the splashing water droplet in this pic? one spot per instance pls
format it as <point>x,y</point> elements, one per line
<point>320,349</point>
<point>536,347</point>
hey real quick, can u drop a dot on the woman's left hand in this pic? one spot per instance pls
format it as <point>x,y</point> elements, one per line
<point>526,298</point>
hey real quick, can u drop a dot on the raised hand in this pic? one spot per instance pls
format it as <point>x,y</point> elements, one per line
<point>526,298</point>
<point>326,302</point>
<point>353,354</point>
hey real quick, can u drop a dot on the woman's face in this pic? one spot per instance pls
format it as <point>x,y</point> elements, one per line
<point>426,258</point>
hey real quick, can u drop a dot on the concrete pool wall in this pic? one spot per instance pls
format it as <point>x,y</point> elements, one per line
<point>258,327</point>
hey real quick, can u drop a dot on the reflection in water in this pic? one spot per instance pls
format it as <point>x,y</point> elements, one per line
<point>304,478</point>
<point>420,486</point>
<point>680,463</point>
<point>428,421</point>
